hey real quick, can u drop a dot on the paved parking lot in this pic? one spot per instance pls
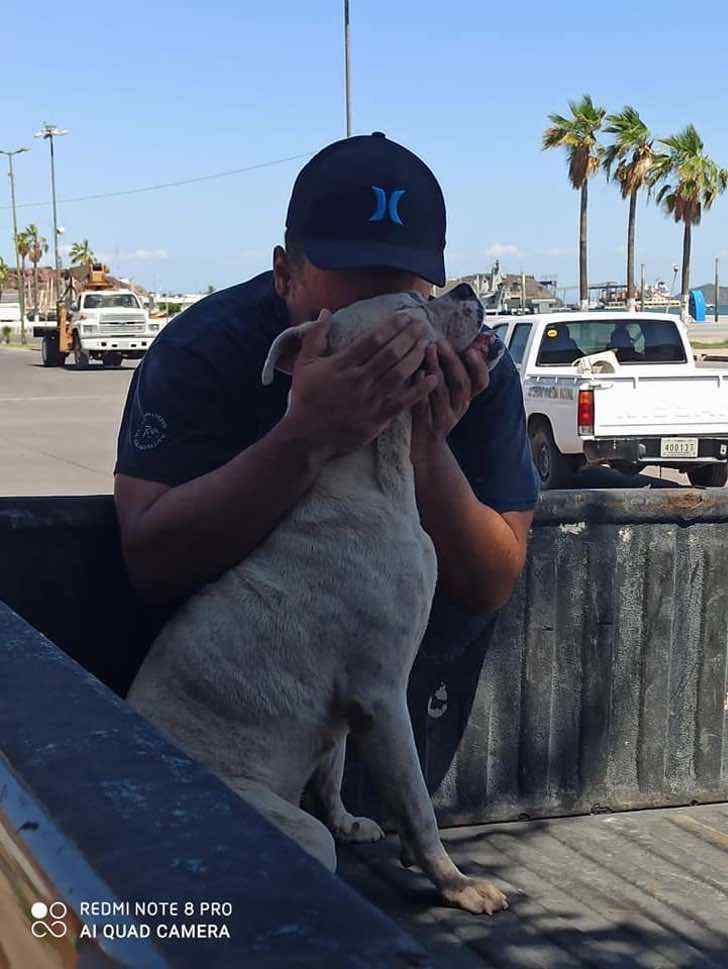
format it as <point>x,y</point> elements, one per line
<point>58,430</point>
<point>58,425</point>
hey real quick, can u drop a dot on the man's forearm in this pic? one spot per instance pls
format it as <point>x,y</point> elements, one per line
<point>194,532</point>
<point>479,555</point>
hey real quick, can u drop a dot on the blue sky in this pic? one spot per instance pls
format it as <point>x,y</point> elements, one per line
<point>162,91</point>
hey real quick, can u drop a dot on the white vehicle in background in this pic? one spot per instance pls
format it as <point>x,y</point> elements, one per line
<point>617,389</point>
<point>110,326</point>
<point>103,323</point>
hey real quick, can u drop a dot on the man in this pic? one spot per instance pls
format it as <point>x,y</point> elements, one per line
<point>209,460</point>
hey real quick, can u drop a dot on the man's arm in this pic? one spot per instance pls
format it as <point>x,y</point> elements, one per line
<point>480,552</point>
<point>175,539</point>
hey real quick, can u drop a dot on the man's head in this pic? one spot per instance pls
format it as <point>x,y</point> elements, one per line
<point>366,217</point>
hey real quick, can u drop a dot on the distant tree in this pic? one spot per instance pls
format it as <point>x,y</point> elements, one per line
<point>82,254</point>
<point>4,273</point>
<point>210,289</point>
<point>578,135</point>
<point>22,244</point>
<point>689,182</point>
<point>38,245</point>
<point>629,161</point>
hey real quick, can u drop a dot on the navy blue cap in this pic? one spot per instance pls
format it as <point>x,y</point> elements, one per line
<point>367,201</point>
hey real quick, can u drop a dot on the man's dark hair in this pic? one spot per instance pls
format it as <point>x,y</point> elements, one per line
<point>294,249</point>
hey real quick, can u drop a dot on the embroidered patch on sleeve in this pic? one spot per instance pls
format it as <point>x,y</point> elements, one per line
<point>150,433</point>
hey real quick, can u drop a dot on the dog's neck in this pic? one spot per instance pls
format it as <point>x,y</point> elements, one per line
<point>383,465</point>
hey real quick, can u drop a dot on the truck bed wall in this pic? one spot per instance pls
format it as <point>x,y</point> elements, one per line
<point>604,686</point>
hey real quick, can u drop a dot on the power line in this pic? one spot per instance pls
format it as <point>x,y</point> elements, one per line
<point>154,188</point>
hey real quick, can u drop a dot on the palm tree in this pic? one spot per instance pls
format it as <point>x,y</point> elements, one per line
<point>38,246</point>
<point>4,273</point>
<point>578,135</point>
<point>82,255</point>
<point>691,182</point>
<point>22,244</point>
<point>634,157</point>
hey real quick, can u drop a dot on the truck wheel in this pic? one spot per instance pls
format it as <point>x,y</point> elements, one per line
<point>112,360</point>
<point>49,355</point>
<point>80,356</point>
<point>554,468</point>
<point>709,476</point>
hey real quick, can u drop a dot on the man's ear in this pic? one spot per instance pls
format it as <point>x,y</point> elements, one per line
<point>281,271</point>
<point>284,351</point>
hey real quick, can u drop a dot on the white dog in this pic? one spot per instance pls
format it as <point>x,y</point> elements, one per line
<point>263,673</point>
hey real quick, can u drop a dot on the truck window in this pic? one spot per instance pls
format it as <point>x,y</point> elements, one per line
<point>500,330</point>
<point>519,339</point>
<point>110,301</point>
<point>633,341</point>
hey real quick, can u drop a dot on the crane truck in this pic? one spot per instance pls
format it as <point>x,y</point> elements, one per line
<point>102,323</point>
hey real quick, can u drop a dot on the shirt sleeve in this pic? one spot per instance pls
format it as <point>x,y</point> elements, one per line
<point>174,426</point>
<point>492,447</point>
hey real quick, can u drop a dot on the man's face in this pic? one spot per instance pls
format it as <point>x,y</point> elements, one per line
<point>307,289</point>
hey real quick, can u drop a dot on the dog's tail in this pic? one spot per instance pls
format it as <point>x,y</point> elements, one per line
<point>313,836</point>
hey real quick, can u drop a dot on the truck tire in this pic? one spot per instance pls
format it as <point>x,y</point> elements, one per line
<point>555,469</point>
<point>709,476</point>
<point>112,360</point>
<point>49,354</point>
<point>80,356</point>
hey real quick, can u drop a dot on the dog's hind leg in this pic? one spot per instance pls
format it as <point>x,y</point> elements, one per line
<point>301,827</point>
<point>325,786</point>
<point>387,745</point>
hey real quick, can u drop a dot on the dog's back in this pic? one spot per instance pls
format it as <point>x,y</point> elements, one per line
<point>259,670</point>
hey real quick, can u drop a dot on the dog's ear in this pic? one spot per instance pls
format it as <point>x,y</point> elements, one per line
<point>284,351</point>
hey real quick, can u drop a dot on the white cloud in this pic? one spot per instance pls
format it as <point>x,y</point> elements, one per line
<point>139,255</point>
<point>498,249</point>
<point>557,252</point>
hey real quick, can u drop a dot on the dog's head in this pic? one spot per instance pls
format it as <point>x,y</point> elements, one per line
<point>456,316</point>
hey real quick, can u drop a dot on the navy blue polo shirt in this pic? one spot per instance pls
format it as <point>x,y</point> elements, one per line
<point>196,400</point>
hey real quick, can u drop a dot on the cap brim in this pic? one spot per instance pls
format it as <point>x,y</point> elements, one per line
<point>328,254</point>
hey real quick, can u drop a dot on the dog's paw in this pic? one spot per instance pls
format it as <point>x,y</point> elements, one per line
<point>351,830</point>
<point>475,895</point>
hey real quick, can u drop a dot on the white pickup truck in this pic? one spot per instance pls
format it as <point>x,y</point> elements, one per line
<point>110,325</point>
<point>620,389</point>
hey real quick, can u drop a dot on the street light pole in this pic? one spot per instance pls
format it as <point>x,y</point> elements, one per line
<point>49,132</point>
<point>20,282</point>
<point>716,311</point>
<point>348,68</point>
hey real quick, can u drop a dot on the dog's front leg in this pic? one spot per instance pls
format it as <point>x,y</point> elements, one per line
<point>325,785</point>
<point>388,748</point>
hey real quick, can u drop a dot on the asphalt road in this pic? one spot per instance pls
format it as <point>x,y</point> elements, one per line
<point>58,429</point>
<point>58,425</point>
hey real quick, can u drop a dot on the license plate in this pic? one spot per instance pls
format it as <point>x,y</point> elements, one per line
<point>679,447</point>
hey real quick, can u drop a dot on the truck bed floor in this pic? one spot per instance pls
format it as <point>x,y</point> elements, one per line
<point>642,888</point>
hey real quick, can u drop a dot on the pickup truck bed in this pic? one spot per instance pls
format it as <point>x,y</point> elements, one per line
<point>634,889</point>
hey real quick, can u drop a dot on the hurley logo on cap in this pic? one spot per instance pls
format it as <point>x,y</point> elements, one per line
<point>387,208</point>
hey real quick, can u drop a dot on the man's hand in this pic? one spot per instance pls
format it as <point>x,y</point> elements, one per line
<point>343,401</point>
<point>435,415</point>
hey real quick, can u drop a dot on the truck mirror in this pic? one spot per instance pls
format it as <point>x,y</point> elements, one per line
<point>74,307</point>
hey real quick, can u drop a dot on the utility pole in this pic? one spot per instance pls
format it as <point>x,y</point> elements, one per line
<point>642,287</point>
<point>20,282</point>
<point>717,292</point>
<point>48,132</point>
<point>347,61</point>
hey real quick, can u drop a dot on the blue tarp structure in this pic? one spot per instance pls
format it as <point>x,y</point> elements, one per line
<point>697,305</point>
